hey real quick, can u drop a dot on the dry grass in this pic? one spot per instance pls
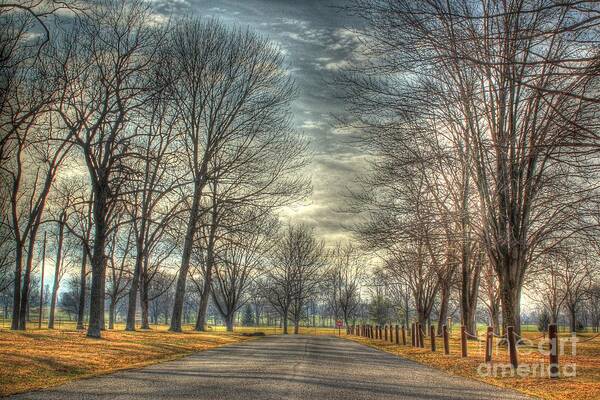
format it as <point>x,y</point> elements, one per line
<point>42,358</point>
<point>37,359</point>
<point>585,385</point>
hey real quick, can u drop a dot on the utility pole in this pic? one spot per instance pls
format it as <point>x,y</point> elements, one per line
<point>42,282</point>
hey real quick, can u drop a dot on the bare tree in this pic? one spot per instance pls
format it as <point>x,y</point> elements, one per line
<point>154,203</point>
<point>524,124</point>
<point>232,94</point>
<point>80,226</point>
<point>238,262</point>
<point>576,280</point>
<point>29,136</point>
<point>490,296</point>
<point>293,277</point>
<point>593,306</point>
<point>547,286</point>
<point>109,52</point>
<point>343,280</point>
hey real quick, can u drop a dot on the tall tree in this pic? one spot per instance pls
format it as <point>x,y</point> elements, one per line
<point>239,261</point>
<point>232,94</point>
<point>297,267</point>
<point>109,53</point>
<point>343,280</point>
<point>493,74</point>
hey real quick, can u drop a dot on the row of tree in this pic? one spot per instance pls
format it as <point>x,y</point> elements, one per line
<point>137,142</point>
<point>481,120</point>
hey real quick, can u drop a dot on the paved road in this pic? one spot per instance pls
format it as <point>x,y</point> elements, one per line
<point>279,367</point>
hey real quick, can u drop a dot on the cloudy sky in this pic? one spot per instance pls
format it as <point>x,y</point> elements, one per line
<point>315,37</point>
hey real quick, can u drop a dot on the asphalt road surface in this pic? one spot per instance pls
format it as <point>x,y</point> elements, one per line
<point>280,367</point>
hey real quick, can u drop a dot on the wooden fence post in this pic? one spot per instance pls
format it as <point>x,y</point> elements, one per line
<point>489,343</point>
<point>512,346</point>
<point>432,335</point>
<point>446,340</point>
<point>421,338</point>
<point>397,334</point>
<point>552,335</point>
<point>386,333</point>
<point>463,340</point>
<point>412,335</point>
<point>403,335</point>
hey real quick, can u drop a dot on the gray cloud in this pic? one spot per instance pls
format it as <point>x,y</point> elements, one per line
<point>314,38</point>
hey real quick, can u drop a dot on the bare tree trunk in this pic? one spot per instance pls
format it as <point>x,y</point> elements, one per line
<point>57,266</point>
<point>144,302</point>
<point>296,327</point>
<point>444,300</point>
<point>24,306</point>
<point>103,313</point>
<point>185,260</point>
<point>133,290</point>
<point>96,321</point>
<point>511,309</point>
<point>422,318</point>
<point>111,314</point>
<point>16,315</point>
<point>82,284</point>
<point>27,276</point>
<point>285,322</point>
<point>229,322</point>
<point>468,314</point>
<point>572,318</point>
<point>202,309</point>
<point>495,318</point>
<point>203,306</point>
<point>470,291</point>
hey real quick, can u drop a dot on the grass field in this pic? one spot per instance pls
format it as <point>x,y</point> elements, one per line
<point>584,385</point>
